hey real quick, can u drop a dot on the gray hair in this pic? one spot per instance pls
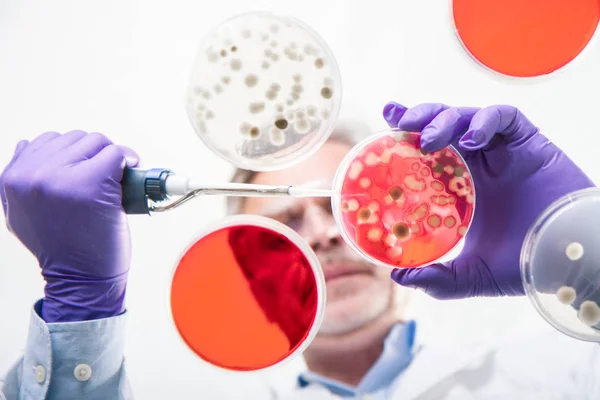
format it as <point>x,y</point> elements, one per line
<point>347,131</point>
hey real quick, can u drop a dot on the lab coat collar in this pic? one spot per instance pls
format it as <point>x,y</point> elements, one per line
<point>398,351</point>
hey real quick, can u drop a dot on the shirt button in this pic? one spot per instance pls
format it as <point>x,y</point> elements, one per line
<point>40,374</point>
<point>83,372</point>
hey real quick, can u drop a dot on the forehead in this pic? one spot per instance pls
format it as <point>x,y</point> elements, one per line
<point>320,167</point>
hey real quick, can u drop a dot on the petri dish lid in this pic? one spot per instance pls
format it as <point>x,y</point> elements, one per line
<point>265,91</point>
<point>560,264</point>
<point>400,207</point>
<point>248,294</point>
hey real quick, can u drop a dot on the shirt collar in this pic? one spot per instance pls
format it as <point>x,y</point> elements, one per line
<point>398,350</point>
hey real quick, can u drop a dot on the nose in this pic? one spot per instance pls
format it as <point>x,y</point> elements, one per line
<point>321,231</point>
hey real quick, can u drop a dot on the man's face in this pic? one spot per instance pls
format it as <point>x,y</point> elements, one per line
<point>357,291</point>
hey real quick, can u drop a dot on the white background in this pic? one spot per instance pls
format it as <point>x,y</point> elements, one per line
<point>121,68</point>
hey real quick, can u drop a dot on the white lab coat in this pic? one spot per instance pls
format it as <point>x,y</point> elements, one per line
<point>545,366</point>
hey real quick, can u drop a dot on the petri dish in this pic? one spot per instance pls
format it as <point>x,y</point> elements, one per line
<point>544,35</point>
<point>265,91</point>
<point>560,264</point>
<point>247,295</point>
<point>401,207</point>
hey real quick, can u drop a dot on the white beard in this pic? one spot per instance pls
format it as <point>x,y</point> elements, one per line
<point>353,313</point>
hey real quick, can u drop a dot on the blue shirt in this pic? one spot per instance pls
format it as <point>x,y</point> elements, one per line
<point>74,360</point>
<point>398,352</point>
<point>84,360</point>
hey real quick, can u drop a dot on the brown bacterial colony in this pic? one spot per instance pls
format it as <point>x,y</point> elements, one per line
<point>281,124</point>
<point>326,92</point>
<point>400,230</point>
<point>395,193</point>
<point>254,132</point>
<point>256,107</point>
<point>363,215</point>
<point>404,207</point>
<point>236,64</point>
<point>251,80</point>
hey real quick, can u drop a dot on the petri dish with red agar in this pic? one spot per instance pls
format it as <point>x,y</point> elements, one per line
<point>248,294</point>
<point>399,206</point>
<point>544,35</point>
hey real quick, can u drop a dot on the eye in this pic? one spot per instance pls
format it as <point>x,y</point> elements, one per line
<point>326,206</point>
<point>293,219</point>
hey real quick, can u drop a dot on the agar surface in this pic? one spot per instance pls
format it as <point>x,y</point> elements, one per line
<point>416,206</point>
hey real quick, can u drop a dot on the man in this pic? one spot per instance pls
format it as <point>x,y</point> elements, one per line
<point>363,303</point>
<point>365,348</point>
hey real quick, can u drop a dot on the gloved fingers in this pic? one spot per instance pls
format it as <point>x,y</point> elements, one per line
<point>466,276</point>
<point>415,119</point>
<point>131,157</point>
<point>446,128</point>
<point>20,147</point>
<point>392,112</point>
<point>507,121</point>
<point>436,280</point>
<point>86,148</point>
<point>63,141</point>
<point>18,150</point>
<point>41,140</point>
<point>112,160</point>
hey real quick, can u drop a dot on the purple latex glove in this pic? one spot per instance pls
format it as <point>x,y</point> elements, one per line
<point>61,196</point>
<point>517,173</point>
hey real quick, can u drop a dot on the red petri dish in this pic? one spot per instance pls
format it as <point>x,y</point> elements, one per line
<point>525,38</point>
<point>247,295</point>
<point>399,206</point>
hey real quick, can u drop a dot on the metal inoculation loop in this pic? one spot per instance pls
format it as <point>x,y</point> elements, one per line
<point>167,206</point>
<point>228,189</point>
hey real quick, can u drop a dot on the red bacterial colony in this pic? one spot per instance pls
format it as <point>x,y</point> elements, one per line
<point>402,206</point>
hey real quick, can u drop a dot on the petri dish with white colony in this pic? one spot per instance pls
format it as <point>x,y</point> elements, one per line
<point>265,91</point>
<point>560,264</point>
<point>399,206</point>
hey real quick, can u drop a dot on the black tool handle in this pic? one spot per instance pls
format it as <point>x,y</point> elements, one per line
<point>140,185</point>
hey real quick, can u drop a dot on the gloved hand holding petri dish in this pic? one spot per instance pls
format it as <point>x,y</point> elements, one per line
<point>265,91</point>
<point>399,206</point>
